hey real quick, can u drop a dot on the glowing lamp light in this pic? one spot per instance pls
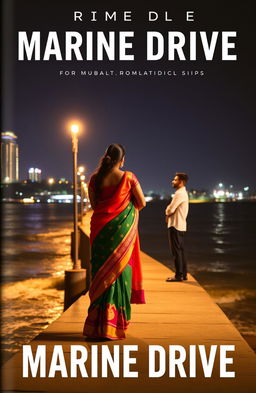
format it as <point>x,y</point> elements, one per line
<point>51,180</point>
<point>82,177</point>
<point>81,169</point>
<point>74,128</point>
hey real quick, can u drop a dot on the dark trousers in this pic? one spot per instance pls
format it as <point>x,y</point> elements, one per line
<point>176,241</point>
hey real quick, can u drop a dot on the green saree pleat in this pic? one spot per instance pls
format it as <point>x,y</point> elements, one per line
<point>109,314</point>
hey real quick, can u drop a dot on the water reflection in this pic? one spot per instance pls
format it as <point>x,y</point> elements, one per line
<point>36,251</point>
<point>218,240</point>
<point>218,250</point>
<point>219,218</point>
<point>217,267</point>
<point>219,228</point>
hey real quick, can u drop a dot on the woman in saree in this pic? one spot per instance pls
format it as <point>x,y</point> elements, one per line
<point>116,198</point>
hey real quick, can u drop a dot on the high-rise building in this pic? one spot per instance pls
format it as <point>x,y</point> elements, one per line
<point>34,174</point>
<point>9,157</point>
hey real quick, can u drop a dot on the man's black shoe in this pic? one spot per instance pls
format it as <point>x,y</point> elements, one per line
<point>185,278</point>
<point>173,279</point>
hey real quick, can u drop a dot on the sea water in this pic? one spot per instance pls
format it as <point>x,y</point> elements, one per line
<point>221,253</point>
<point>220,246</point>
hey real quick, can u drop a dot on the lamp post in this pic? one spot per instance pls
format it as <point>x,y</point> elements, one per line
<point>75,279</point>
<point>86,196</point>
<point>82,179</point>
<point>74,132</point>
<point>81,170</point>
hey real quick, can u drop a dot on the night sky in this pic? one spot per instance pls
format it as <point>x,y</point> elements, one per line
<point>202,125</point>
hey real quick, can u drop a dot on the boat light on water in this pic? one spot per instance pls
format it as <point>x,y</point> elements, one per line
<point>28,200</point>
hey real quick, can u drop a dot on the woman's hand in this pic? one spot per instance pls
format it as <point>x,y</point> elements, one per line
<point>139,198</point>
<point>92,198</point>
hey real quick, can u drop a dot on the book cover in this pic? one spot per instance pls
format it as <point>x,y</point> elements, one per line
<point>174,84</point>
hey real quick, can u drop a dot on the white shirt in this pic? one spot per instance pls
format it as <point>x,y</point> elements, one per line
<point>177,210</point>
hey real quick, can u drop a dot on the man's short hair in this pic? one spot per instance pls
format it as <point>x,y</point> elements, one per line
<point>182,176</point>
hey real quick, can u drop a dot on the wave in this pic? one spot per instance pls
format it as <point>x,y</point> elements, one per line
<point>239,306</point>
<point>31,288</point>
<point>28,307</point>
<point>55,234</point>
<point>11,235</point>
<point>231,295</point>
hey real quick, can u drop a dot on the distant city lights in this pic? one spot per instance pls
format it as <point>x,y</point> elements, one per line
<point>59,191</point>
<point>222,195</point>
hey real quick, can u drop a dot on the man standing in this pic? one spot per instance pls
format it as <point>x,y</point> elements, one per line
<point>176,214</point>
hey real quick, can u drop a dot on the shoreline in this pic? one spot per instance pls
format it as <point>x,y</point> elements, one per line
<point>251,341</point>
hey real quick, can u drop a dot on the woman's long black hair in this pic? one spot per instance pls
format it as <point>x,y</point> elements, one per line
<point>114,154</point>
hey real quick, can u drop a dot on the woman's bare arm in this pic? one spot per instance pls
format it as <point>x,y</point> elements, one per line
<point>139,198</point>
<point>92,198</point>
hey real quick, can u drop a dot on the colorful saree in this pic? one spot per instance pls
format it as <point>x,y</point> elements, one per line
<point>116,269</point>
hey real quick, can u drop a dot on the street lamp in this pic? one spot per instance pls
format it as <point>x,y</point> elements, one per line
<point>51,180</point>
<point>74,132</point>
<point>75,279</point>
<point>74,129</point>
<point>80,170</point>
<point>82,179</point>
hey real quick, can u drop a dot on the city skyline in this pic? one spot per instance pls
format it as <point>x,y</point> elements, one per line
<point>9,157</point>
<point>35,174</point>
